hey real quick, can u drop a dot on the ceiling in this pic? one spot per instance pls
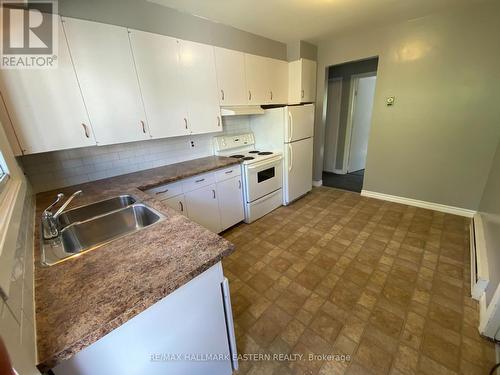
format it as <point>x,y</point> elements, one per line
<point>311,20</point>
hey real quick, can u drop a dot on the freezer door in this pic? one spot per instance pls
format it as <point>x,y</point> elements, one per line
<point>299,122</point>
<point>298,169</point>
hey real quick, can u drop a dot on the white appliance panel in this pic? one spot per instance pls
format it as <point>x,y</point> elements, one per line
<point>298,169</point>
<point>263,206</point>
<point>263,178</point>
<point>299,122</point>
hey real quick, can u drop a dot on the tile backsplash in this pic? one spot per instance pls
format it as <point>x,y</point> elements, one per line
<point>51,170</point>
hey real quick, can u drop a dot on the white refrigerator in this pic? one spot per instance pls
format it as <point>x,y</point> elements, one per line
<point>290,130</point>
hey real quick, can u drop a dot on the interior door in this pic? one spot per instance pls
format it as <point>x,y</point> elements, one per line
<point>298,172</point>
<point>158,69</point>
<point>299,122</point>
<point>46,106</point>
<point>199,87</point>
<point>361,121</point>
<point>231,79</point>
<point>203,208</point>
<point>105,69</point>
<point>230,201</point>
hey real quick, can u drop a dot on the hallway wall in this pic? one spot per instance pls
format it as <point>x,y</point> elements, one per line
<point>437,142</point>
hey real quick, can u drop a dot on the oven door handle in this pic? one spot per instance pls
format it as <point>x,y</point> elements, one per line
<point>269,162</point>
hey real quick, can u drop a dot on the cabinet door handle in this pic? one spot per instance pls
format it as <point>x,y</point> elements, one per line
<point>86,130</point>
<point>249,95</point>
<point>271,95</point>
<point>213,192</point>
<point>143,127</point>
<point>185,122</point>
<point>239,184</point>
<point>228,172</point>
<point>200,180</point>
<point>218,121</point>
<point>302,94</point>
<point>161,192</point>
<point>222,94</point>
<point>182,206</point>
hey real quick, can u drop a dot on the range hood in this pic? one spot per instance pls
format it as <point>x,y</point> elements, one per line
<point>240,110</point>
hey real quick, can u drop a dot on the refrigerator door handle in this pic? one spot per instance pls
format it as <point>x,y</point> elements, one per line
<point>229,323</point>
<point>290,127</point>
<point>290,164</point>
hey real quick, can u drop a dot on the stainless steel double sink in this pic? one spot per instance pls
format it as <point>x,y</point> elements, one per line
<point>88,227</point>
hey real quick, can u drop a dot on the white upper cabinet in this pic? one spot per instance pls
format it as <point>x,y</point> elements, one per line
<point>231,77</point>
<point>157,63</point>
<point>267,80</point>
<point>278,78</point>
<point>105,69</point>
<point>256,68</point>
<point>302,81</point>
<point>46,106</point>
<point>199,85</point>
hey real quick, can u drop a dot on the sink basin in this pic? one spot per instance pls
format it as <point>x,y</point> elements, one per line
<point>82,236</point>
<point>95,209</point>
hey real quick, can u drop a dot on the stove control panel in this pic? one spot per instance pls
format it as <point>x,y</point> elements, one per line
<point>229,142</point>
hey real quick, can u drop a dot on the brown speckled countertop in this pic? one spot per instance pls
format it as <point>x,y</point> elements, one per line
<point>80,300</point>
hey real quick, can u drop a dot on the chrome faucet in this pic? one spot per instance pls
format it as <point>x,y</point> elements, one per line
<point>50,225</point>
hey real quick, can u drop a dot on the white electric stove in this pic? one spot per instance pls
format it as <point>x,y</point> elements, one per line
<point>262,172</point>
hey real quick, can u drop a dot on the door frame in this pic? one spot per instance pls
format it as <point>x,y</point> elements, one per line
<point>348,134</point>
<point>341,81</point>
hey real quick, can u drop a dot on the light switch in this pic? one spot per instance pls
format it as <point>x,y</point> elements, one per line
<point>390,100</point>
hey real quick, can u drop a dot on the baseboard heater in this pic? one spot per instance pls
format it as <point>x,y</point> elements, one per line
<point>479,277</point>
<point>489,311</point>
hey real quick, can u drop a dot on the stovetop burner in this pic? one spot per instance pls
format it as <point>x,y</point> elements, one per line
<point>265,153</point>
<point>237,156</point>
<point>248,158</point>
<point>253,152</point>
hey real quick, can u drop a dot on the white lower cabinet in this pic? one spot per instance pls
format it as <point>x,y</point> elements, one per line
<point>178,203</point>
<point>230,194</point>
<point>194,320</point>
<point>213,200</point>
<point>203,208</point>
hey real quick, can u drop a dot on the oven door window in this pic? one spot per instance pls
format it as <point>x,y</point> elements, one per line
<point>266,174</point>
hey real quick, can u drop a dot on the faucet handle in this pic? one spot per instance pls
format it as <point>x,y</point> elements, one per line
<point>58,198</point>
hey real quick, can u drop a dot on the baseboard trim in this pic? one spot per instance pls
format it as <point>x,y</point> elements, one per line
<point>317,183</point>
<point>418,203</point>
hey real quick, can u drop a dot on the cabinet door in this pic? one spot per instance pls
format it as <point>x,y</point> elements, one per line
<point>231,78</point>
<point>199,84</point>
<point>257,73</point>
<point>178,203</point>
<point>46,106</point>
<point>230,202</point>
<point>278,81</point>
<point>105,69</point>
<point>203,208</point>
<point>308,93</point>
<point>157,63</point>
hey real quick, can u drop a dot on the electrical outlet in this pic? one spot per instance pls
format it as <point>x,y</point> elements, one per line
<point>191,144</point>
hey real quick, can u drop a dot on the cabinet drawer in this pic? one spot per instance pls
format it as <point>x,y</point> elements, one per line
<point>198,181</point>
<point>166,191</point>
<point>226,173</point>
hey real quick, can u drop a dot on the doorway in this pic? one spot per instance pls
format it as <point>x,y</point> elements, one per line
<point>350,94</point>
